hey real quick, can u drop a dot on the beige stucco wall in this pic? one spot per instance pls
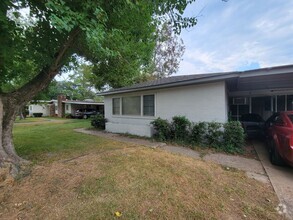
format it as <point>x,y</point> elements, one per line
<point>206,102</point>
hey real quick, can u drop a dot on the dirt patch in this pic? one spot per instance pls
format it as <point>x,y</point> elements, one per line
<point>249,150</point>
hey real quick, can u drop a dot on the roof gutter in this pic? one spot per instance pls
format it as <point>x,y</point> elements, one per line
<point>173,84</point>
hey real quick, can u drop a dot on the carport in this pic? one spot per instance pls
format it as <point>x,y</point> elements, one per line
<point>262,91</point>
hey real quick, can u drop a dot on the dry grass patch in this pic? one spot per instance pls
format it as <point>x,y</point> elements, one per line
<point>139,182</point>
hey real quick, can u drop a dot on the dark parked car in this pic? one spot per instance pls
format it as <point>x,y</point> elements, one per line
<point>279,134</point>
<point>253,125</point>
<point>85,113</point>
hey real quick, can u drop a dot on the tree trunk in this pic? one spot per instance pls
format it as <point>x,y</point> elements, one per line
<point>8,112</point>
<point>3,154</point>
<point>10,103</point>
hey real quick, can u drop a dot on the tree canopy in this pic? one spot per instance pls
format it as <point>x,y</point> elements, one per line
<point>116,35</point>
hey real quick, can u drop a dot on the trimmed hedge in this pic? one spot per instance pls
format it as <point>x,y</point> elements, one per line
<point>162,128</point>
<point>228,137</point>
<point>180,128</point>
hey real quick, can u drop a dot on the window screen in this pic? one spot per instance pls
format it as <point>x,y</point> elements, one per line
<point>116,106</point>
<point>131,105</point>
<point>148,105</point>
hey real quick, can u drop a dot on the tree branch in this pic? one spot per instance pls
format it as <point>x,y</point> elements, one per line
<point>45,76</point>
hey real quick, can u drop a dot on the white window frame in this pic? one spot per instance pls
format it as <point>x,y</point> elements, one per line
<point>142,102</point>
<point>141,106</point>
<point>120,106</point>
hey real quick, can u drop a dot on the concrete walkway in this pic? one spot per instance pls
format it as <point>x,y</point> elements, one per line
<point>253,168</point>
<point>281,179</point>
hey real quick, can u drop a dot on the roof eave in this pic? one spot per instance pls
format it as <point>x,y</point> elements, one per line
<point>174,84</point>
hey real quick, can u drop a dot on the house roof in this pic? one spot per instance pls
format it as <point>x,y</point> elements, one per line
<point>175,81</point>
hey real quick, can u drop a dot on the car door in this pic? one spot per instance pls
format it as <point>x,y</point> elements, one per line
<point>280,133</point>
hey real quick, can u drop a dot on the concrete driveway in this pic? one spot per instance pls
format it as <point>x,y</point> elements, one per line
<point>281,179</point>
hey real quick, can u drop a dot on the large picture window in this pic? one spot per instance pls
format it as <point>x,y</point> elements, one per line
<point>131,105</point>
<point>148,105</point>
<point>116,106</point>
<point>142,105</point>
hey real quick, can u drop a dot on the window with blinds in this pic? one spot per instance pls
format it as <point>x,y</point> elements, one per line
<point>134,105</point>
<point>148,105</point>
<point>131,105</point>
<point>116,106</point>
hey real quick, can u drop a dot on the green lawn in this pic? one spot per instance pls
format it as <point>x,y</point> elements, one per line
<point>78,176</point>
<point>40,139</point>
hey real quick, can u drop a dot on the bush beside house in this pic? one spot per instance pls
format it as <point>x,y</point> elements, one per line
<point>228,137</point>
<point>99,122</point>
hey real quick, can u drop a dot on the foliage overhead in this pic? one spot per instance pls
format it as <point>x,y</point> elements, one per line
<point>78,86</point>
<point>117,36</point>
<point>168,52</point>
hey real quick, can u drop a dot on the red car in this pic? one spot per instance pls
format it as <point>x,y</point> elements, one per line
<point>279,133</point>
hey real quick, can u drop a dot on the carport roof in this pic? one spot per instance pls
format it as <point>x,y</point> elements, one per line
<point>238,79</point>
<point>82,102</point>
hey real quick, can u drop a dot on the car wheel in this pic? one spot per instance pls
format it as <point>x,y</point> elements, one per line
<point>275,156</point>
<point>84,116</point>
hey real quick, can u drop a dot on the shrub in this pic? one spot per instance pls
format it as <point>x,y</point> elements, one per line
<point>198,132</point>
<point>99,121</point>
<point>37,114</point>
<point>68,115</point>
<point>214,134</point>
<point>233,136</point>
<point>180,128</point>
<point>162,129</point>
<point>228,137</point>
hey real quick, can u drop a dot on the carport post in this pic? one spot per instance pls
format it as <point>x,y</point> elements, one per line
<point>285,102</point>
<point>276,103</point>
<point>250,107</point>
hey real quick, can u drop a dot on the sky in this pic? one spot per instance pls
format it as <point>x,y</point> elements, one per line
<point>237,35</point>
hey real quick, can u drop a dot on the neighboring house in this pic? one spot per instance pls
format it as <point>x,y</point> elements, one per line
<point>39,106</point>
<point>62,107</point>
<point>200,97</point>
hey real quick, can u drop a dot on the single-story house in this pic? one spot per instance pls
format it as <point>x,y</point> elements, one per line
<point>62,106</point>
<point>40,106</point>
<point>199,97</point>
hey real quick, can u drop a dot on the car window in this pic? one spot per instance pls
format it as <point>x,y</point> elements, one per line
<point>271,119</point>
<point>279,120</point>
